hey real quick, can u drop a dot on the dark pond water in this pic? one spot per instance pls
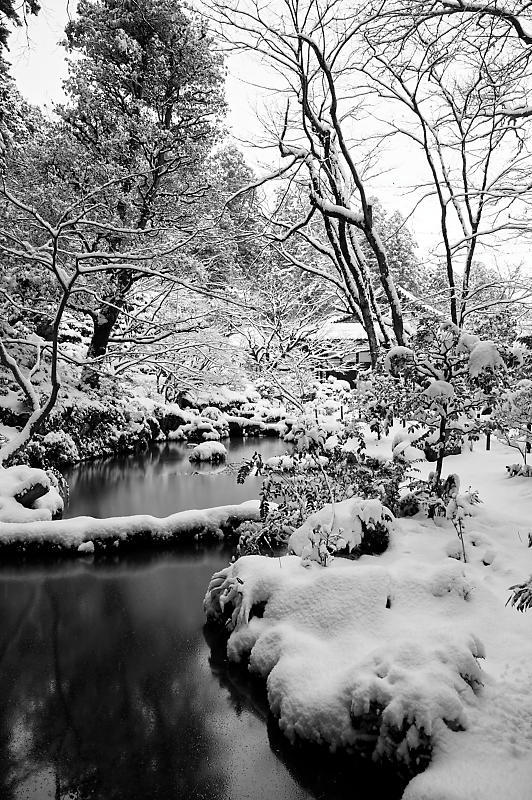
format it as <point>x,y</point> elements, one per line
<point>111,688</point>
<point>163,481</point>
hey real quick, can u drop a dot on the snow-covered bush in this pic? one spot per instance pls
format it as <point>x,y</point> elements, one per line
<point>375,399</point>
<point>446,380</point>
<point>100,427</point>
<point>323,470</point>
<point>211,412</point>
<point>199,430</point>
<point>356,654</point>
<point>209,451</point>
<point>521,596</point>
<point>355,527</point>
<point>60,448</point>
<point>522,470</point>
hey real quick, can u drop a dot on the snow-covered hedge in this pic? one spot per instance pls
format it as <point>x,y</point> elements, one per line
<point>86,534</point>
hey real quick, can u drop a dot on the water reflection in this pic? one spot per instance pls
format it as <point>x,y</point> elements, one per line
<point>99,696</point>
<point>322,775</point>
<point>106,690</point>
<point>162,481</point>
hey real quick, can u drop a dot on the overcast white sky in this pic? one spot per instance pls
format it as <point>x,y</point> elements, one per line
<point>38,65</point>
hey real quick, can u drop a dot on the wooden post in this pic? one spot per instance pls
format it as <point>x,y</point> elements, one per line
<point>488,439</point>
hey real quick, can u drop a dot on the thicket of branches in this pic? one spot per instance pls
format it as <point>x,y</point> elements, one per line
<point>129,215</point>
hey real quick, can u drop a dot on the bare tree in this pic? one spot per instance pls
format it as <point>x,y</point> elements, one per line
<point>308,46</point>
<point>445,86</point>
<point>285,311</point>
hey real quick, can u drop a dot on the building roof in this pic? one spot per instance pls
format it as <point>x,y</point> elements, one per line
<point>331,331</point>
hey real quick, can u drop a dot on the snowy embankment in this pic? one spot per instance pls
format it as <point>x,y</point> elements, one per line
<point>408,654</point>
<point>86,534</point>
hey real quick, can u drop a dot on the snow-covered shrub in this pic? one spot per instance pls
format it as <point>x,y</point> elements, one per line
<point>196,431</point>
<point>171,417</point>
<point>376,400</point>
<point>211,412</point>
<point>322,472</point>
<point>522,470</point>
<point>209,451</point>
<point>355,527</point>
<point>254,539</point>
<point>521,596</point>
<point>99,428</point>
<point>446,379</point>
<point>60,448</point>
<point>356,654</point>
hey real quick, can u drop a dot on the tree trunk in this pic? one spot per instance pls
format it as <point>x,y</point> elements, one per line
<point>104,323</point>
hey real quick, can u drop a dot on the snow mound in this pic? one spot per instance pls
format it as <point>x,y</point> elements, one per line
<point>346,520</point>
<point>345,651</point>
<point>208,451</point>
<point>26,495</point>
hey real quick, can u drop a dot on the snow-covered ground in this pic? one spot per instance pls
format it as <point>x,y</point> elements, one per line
<point>416,631</point>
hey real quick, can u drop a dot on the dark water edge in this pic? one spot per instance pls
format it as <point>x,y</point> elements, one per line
<point>112,688</point>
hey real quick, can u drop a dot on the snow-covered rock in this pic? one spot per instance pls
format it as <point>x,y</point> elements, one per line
<point>21,488</point>
<point>208,451</point>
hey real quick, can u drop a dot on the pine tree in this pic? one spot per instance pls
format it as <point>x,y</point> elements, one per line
<point>145,95</point>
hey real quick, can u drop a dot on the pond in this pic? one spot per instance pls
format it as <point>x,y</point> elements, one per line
<point>163,481</point>
<point>111,688</point>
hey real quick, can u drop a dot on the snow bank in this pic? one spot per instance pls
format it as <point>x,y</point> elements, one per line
<point>75,534</point>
